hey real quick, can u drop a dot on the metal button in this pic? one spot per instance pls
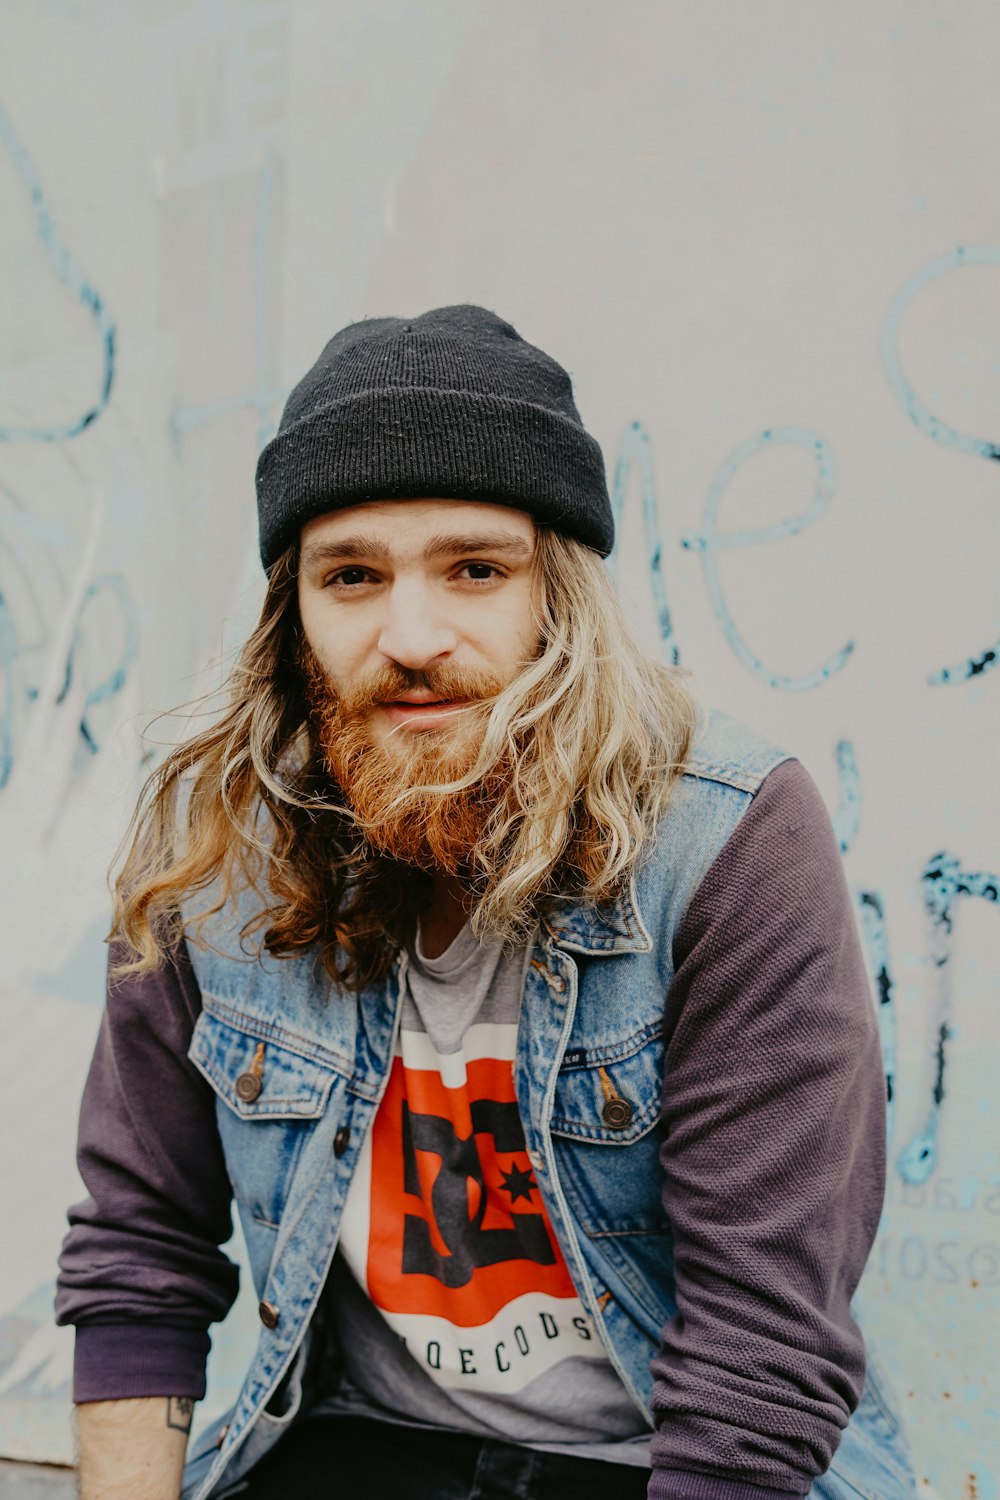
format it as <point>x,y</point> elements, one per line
<point>248,1087</point>
<point>223,1430</point>
<point>341,1140</point>
<point>269,1314</point>
<point>617,1113</point>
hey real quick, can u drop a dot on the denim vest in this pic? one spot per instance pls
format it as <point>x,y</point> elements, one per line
<point>593,999</point>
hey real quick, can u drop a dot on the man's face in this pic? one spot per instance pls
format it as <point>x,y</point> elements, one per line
<point>416,608</point>
<point>417,614</point>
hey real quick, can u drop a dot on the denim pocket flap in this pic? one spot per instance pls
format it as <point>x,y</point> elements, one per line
<point>258,1078</point>
<point>611,1095</point>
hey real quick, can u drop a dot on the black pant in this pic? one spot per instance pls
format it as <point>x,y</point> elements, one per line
<point>353,1458</point>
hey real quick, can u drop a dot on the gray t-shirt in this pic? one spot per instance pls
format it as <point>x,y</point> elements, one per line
<point>451,1301</point>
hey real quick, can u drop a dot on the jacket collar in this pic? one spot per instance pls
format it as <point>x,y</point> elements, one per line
<point>598,930</point>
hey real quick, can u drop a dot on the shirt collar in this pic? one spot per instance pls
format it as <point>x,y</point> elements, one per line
<point>598,930</point>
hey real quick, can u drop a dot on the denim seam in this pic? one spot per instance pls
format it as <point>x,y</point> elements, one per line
<point>292,1041</point>
<point>616,1051</point>
<point>301,1107</point>
<point>605,1136</point>
<point>614,1234</point>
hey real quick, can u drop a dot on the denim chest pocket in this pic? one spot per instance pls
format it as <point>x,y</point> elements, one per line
<point>607,1136</point>
<point>610,1095</point>
<point>269,1097</point>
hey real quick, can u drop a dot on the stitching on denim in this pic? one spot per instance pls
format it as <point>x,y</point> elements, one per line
<point>728,775</point>
<point>284,1108</point>
<point>723,775</point>
<point>292,1041</point>
<point>619,1234</point>
<point>602,1136</point>
<point>616,1051</point>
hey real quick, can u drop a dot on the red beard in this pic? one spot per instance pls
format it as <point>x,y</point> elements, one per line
<point>438,830</point>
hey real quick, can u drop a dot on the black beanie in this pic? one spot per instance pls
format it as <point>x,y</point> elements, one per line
<point>451,404</point>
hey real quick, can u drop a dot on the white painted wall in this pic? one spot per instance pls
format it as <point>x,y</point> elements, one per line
<point>727,220</point>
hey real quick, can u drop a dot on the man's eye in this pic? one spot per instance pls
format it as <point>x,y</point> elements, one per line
<point>480,572</point>
<point>348,577</point>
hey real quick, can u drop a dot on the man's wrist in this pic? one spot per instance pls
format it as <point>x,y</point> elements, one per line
<point>132,1450</point>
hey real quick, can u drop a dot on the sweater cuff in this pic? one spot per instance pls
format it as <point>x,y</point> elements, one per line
<point>679,1484</point>
<point>119,1361</point>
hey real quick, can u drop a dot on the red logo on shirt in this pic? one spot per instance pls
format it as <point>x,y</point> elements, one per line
<point>457,1225</point>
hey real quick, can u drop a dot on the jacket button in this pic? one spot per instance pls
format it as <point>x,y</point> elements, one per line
<point>616,1114</point>
<point>341,1140</point>
<point>536,1160</point>
<point>269,1314</point>
<point>248,1087</point>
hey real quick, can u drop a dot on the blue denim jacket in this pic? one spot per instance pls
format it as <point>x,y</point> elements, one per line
<point>594,994</point>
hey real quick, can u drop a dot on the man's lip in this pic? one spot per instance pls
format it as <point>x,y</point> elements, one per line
<point>411,704</point>
<point>417,701</point>
<point>402,709</point>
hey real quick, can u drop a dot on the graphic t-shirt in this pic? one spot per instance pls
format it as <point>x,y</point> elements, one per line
<point>451,1300</point>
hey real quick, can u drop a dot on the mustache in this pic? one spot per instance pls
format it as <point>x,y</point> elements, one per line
<point>386,683</point>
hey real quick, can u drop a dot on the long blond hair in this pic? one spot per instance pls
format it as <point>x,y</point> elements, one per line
<point>594,731</point>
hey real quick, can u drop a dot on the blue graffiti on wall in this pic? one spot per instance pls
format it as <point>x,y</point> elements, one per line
<point>33,603</point>
<point>114,681</point>
<point>926,421</point>
<point>847,818</point>
<point>72,277</point>
<point>33,584</point>
<point>943,882</point>
<point>635,449</point>
<point>709,541</point>
<point>871,910</point>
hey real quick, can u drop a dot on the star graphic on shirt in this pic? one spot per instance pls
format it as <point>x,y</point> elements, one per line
<point>517,1183</point>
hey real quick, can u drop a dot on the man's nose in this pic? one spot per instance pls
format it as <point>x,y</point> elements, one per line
<point>414,632</point>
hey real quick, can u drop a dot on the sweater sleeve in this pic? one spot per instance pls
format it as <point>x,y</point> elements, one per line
<point>141,1274</point>
<point>773,1160</point>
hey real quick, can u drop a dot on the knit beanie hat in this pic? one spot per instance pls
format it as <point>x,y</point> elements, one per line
<point>451,404</point>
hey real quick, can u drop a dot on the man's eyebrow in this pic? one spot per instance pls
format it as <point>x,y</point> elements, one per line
<point>369,548</point>
<point>447,544</point>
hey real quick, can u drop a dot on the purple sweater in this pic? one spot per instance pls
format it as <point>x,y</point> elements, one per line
<point>773,1173</point>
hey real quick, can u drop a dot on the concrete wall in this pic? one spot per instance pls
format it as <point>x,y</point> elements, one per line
<point>765,240</point>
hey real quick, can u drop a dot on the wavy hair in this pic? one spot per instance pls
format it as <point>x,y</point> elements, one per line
<point>594,734</point>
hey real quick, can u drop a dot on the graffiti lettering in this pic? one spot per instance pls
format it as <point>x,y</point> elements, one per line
<point>941,432</point>
<point>709,541</point>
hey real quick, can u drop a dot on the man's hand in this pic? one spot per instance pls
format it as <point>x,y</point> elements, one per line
<point>133,1450</point>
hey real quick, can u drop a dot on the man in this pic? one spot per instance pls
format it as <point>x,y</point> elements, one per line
<point>517,1001</point>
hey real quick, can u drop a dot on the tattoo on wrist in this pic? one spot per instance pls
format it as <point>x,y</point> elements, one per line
<point>180,1410</point>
